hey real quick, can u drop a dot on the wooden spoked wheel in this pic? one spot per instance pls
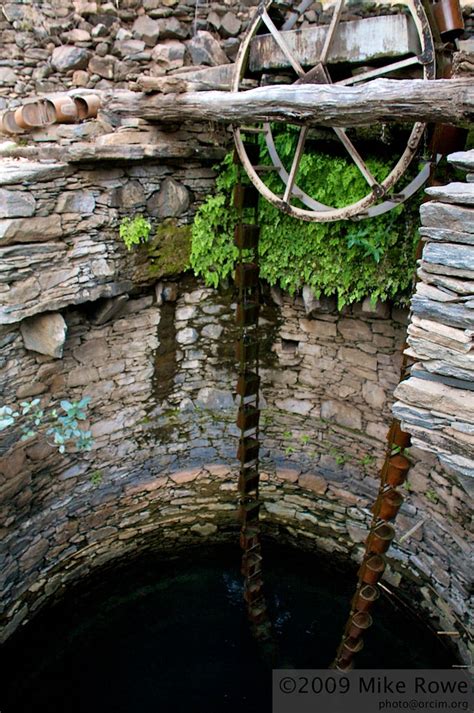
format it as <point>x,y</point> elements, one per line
<point>382,195</point>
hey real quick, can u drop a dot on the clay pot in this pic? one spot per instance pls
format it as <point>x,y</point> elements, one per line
<point>397,436</point>
<point>87,106</point>
<point>365,597</point>
<point>372,569</point>
<point>360,621</point>
<point>19,119</point>
<point>9,124</point>
<point>36,114</point>
<point>390,504</point>
<point>397,470</point>
<point>448,16</point>
<point>381,538</point>
<point>65,110</point>
<point>349,648</point>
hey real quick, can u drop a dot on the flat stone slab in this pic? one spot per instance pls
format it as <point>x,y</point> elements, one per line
<point>447,216</point>
<point>454,315</point>
<point>447,236</point>
<point>462,287</point>
<point>462,159</point>
<point>458,193</point>
<point>19,171</point>
<point>437,397</point>
<point>460,256</point>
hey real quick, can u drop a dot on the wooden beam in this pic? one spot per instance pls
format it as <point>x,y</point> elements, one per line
<point>447,101</point>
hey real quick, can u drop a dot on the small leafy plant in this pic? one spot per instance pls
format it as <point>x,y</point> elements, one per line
<point>432,495</point>
<point>96,477</point>
<point>134,231</point>
<point>29,417</point>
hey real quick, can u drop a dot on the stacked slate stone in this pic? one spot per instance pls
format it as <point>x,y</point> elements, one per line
<point>436,403</point>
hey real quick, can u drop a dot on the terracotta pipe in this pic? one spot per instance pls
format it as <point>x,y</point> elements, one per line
<point>397,470</point>
<point>365,597</point>
<point>359,623</point>
<point>381,538</point>
<point>9,124</point>
<point>372,569</point>
<point>65,110</point>
<point>390,503</point>
<point>87,106</point>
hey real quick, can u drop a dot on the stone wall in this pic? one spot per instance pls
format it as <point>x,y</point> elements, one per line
<point>58,45</point>
<point>157,357</point>
<point>162,472</point>
<point>59,228</point>
<point>436,404</point>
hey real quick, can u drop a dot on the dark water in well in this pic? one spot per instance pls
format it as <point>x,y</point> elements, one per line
<point>172,636</point>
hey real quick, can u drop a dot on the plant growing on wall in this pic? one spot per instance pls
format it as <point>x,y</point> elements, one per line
<point>134,231</point>
<point>349,259</point>
<point>30,418</point>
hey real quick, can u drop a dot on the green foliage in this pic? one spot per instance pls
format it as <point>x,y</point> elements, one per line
<point>134,231</point>
<point>65,429</point>
<point>432,495</point>
<point>349,259</point>
<point>169,250</point>
<point>96,477</point>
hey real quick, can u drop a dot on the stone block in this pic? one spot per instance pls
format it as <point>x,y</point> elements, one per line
<point>458,193</point>
<point>186,336</point>
<point>16,204</point>
<point>185,476</point>
<point>319,328</point>
<point>169,54</point>
<point>230,25</point>
<point>171,201</point>
<point>146,29</point>
<point>214,399</point>
<point>354,330</point>
<point>103,66</point>
<point>316,483</point>
<point>82,376</point>
<point>45,334</point>
<point>374,395</point>
<point>81,202</point>
<point>342,413</point>
<point>289,474</point>
<point>68,57</point>
<point>205,49</point>
<point>298,406</point>
<point>31,230</point>
<point>93,351</point>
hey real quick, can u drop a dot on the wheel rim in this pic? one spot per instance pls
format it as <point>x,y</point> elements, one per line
<point>371,204</point>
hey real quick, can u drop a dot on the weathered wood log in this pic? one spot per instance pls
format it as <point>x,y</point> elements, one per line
<point>447,101</point>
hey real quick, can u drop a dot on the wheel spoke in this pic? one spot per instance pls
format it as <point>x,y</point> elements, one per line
<point>296,162</point>
<point>356,157</point>
<point>331,31</point>
<point>379,71</point>
<point>277,36</point>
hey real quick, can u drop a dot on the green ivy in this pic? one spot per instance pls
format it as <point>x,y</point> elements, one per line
<point>349,259</point>
<point>134,231</point>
